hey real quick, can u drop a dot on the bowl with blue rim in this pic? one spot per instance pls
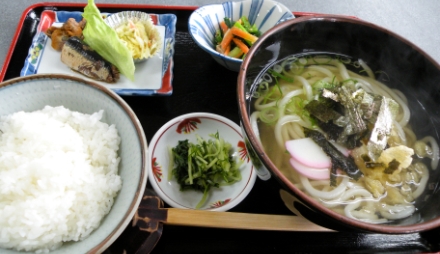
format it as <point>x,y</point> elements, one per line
<point>205,25</point>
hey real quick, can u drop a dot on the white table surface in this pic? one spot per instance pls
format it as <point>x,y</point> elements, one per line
<point>417,21</point>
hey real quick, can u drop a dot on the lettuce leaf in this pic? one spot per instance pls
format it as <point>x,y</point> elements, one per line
<point>104,40</point>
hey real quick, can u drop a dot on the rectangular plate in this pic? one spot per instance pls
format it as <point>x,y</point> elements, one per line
<point>152,77</point>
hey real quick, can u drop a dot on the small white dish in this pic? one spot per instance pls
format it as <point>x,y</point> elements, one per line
<point>186,127</point>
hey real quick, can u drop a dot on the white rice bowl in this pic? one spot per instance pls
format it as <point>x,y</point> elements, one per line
<point>33,93</point>
<point>58,177</point>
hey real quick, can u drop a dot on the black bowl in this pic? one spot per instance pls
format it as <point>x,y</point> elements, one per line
<point>403,66</point>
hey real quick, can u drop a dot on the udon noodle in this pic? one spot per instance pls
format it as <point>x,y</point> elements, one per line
<point>376,197</point>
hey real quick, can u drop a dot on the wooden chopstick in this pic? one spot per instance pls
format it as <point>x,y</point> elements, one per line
<point>233,220</point>
<point>151,214</point>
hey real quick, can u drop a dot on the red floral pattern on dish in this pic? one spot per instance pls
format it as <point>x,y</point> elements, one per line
<point>188,125</point>
<point>242,151</point>
<point>157,170</point>
<point>220,203</point>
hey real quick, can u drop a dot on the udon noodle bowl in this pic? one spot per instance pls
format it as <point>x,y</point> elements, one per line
<point>342,136</point>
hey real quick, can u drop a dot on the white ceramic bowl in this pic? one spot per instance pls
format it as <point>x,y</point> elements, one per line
<point>204,22</point>
<point>33,92</point>
<point>186,127</point>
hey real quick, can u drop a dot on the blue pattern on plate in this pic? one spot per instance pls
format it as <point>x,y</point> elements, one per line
<point>63,16</point>
<point>35,51</point>
<point>209,24</point>
<point>255,9</point>
<point>285,17</point>
<point>241,9</point>
<point>227,8</point>
<point>217,21</point>
<point>169,21</point>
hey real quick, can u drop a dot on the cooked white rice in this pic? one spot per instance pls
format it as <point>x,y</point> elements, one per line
<point>58,177</point>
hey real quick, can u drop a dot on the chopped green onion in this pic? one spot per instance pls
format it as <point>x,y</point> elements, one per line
<point>344,60</point>
<point>270,93</point>
<point>322,59</point>
<point>302,61</point>
<point>296,69</point>
<point>349,81</point>
<point>279,75</point>
<point>269,115</point>
<point>321,84</point>
<point>296,105</point>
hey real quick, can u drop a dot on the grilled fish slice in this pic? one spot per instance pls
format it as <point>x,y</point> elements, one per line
<point>83,59</point>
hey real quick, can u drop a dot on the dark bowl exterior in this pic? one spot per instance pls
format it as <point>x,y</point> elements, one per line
<point>407,68</point>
